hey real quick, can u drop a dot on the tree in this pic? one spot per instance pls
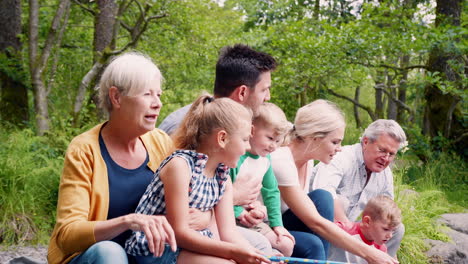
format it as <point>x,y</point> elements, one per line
<point>38,60</point>
<point>105,19</point>
<point>109,19</point>
<point>13,90</point>
<point>443,113</point>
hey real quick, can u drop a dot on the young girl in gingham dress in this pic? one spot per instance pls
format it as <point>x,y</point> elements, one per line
<point>211,139</point>
<point>204,194</point>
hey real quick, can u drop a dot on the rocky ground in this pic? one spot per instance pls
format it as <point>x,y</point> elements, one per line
<point>36,254</point>
<point>455,252</point>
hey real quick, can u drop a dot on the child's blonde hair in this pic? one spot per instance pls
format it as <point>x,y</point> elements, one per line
<point>273,117</point>
<point>206,115</point>
<point>383,208</point>
<point>316,119</point>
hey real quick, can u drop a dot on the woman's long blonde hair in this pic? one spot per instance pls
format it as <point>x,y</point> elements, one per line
<point>206,115</point>
<point>316,119</point>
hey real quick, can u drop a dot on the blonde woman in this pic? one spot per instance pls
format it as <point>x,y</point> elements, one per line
<point>316,135</point>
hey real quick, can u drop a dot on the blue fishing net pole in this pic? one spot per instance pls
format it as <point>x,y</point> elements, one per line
<point>303,260</point>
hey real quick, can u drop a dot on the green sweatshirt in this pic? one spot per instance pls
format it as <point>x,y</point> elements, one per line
<point>250,165</point>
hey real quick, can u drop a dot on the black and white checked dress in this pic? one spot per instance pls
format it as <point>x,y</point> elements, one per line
<point>204,193</point>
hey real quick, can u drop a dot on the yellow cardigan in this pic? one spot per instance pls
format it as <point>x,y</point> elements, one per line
<point>84,191</point>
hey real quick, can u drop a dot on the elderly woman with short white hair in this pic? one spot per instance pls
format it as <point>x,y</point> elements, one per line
<point>108,168</point>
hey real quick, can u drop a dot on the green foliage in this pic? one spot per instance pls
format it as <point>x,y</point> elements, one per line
<point>29,174</point>
<point>431,148</point>
<point>447,171</point>
<point>422,194</point>
<point>10,65</point>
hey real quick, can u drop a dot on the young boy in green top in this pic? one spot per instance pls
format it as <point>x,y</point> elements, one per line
<point>264,215</point>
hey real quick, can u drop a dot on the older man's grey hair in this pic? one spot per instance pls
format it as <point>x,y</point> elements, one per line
<point>385,126</point>
<point>129,72</point>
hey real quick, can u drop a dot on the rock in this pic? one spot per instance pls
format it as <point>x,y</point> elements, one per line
<point>408,193</point>
<point>457,222</point>
<point>22,254</point>
<point>23,260</point>
<point>455,251</point>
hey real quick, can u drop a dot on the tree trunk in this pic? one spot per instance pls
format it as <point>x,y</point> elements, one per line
<point>443,113</point>
<point>438,113</point>
<point>303,100</point>
<point>371,113</point>
<point>105,47</point>
<point>88,80</point>
<point>104,21</point>
<point>356,108</point>
<point>13,92</point>
<point>40,97</point>
<point>391,105</point>
<point>379,102</point>
<point>404,62</point>
<point>37,63</point>
<point>316,10</point>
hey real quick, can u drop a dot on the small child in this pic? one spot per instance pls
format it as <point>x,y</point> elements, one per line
<point>269,130</point>
<point>211,138</point>
<point>380,218</point>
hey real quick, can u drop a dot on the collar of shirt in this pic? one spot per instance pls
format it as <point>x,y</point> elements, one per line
<point>360,160</point>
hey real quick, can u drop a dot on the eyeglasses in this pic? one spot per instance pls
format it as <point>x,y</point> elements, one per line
<point>384,153</point>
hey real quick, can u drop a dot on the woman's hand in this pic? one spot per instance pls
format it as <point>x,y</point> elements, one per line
<point>249,255</point>
<point>199,220</point>
<point>157,229</point>
<point>376,256</point>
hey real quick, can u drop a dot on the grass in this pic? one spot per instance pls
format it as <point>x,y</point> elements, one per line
<point>29,175</point>
<point>423,194</point>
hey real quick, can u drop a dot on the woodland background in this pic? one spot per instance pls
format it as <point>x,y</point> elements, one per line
<point>399,59</point>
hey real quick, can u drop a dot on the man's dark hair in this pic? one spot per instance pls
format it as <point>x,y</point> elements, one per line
<point>240,65</point>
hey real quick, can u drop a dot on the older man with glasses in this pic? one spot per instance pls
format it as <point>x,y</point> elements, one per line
<point>361,171</point>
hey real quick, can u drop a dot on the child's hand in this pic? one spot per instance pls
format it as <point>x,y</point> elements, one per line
<point>258,210</point>
<point>242,218</point>
<point>257,214</point>
<point>282,232</point>
<point>246,219</point>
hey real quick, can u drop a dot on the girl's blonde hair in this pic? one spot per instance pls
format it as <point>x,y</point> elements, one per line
<point>272,116</point>
<point>317,119</point>
<point>206,115</point>
<point>383,208</point>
